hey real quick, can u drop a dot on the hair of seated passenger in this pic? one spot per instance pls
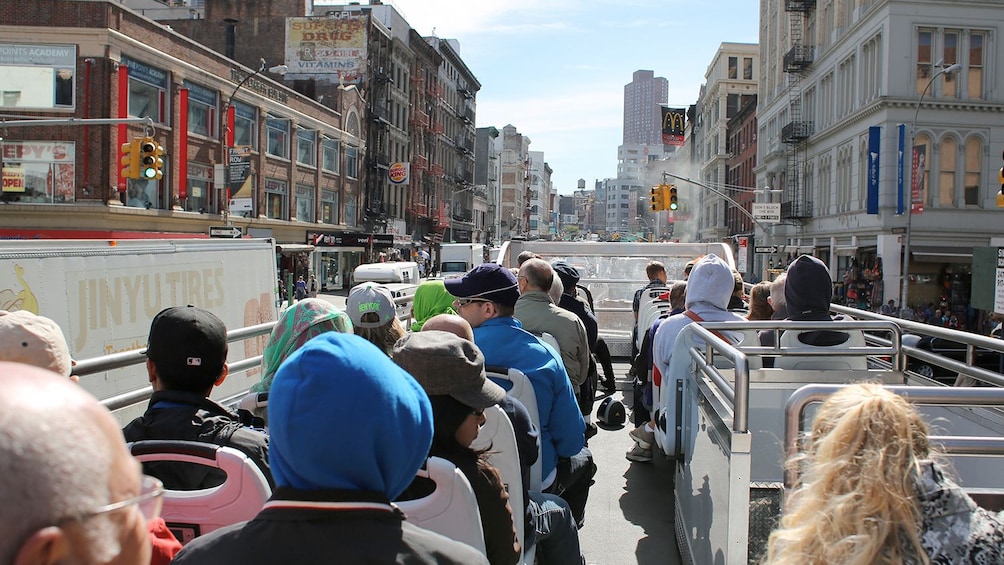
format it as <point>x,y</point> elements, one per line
<point>384,336</point>
<point>856,501</point>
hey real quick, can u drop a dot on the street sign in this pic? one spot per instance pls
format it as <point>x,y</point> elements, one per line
<point>232,232</point>
<point>767,212</point>
<point>765,249</point>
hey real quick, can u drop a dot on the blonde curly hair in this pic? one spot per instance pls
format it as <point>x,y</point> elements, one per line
<point>856,502</point>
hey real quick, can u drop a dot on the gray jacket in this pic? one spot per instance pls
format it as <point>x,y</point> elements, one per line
<point>538,314</point>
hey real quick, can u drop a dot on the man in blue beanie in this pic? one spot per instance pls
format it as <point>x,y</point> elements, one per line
<point>349,430</point>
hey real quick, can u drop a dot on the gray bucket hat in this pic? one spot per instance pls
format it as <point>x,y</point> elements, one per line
<point>445,364</point>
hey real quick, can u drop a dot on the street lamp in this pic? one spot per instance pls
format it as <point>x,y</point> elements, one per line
<point>277,69</point>
<point>909,212</point>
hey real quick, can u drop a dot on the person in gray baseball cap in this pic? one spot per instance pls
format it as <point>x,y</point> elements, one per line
<point>452,372</point>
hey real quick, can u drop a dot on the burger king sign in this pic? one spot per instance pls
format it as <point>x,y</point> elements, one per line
<point>398,172</point>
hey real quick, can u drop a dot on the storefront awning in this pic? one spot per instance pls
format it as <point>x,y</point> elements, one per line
<point>941,254</point>
<point>287,248</point>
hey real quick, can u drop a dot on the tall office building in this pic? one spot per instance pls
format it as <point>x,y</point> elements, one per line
<point>642,118</point>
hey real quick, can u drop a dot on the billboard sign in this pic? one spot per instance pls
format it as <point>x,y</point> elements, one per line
<point>332,47</point>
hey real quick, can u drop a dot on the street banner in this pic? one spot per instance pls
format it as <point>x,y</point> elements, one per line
<point>899,169</point>
<point>674,122</point>
<point>874,141</point>
<point>917,177</point>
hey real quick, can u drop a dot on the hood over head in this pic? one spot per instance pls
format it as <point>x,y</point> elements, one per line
<point>710,282</point>
<point>431,299</point>
<point>808,286</point>
<point>342,415</point>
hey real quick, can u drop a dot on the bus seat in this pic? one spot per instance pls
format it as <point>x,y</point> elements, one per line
<point>520,388</point>
<point>551,340</point>
<point>193,513</point>
<point>451,510</point>
<point>499,439</point>
<point>789,341</point>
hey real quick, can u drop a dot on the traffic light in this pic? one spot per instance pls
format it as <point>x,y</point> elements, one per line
<point>130,159</point>
<point>657,199</point>
<point>674,203</point>
<point>151,163</point>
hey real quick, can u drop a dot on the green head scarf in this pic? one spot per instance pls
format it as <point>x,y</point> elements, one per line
<point>431,299</point>
<point>304,320</point>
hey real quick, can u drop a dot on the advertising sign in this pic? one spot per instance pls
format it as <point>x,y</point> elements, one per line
<point>674,122</point>
<point>399,173</point>
<point>919,168</point>
<point>874,141</point>
<point>239,185</point>
<point>13,179</point>
<point>999,283</point>
<point>333,45</point>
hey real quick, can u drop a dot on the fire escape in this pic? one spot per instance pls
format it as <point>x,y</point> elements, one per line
<point>795,203</point>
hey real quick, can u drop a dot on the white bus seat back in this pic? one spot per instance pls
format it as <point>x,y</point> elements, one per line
<point>789,341</point>
<point>197,512</point>
<point>520,388</point>
<point>499,438</point>
<point>552,341</point>
<point>450,510</point>
<point>648,317</point>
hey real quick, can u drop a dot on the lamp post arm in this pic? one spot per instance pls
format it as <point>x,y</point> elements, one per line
<point>723,195</point>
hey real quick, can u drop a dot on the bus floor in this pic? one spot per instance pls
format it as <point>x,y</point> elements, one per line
<point>629,515</point>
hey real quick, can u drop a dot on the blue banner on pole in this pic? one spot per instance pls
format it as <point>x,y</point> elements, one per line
<point>874,142</point>
<point>900,201</point>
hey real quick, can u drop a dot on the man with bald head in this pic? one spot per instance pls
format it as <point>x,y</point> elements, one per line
<point>451,323</point>
<point>539,314</point>
<point>69,492</point>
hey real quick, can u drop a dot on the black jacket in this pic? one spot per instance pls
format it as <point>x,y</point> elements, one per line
<point>336,528</point>
<point>193,417</point>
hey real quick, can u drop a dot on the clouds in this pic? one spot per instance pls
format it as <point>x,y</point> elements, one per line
<point>556,69</point>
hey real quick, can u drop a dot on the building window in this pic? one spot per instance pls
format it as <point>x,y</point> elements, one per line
<point>245,125</point>
<point>201,109</point>
<point>925,38</point>
<point>350,209</point>
<point>275,199</point>
<point>733,67</point>
<point>38,172</point>
<point>971,190</point>
<point>43,75</point>
<point>200,176</point>
<point>330,149</point>
<point>306,147</point>
<point>918,166</point>
<point>747,68</point>
<point>329,207</point>
<point>277,130</point>
<point>147,90</point>
<point>949,86</point>
<point>304,203</point>
<point>351,162</point>
<point>974,84</point>
<point>946,172</point>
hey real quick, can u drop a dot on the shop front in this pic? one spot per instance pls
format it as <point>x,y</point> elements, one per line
<point>337,254</point>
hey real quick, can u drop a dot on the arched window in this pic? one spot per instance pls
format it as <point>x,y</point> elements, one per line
<point>946,172</point>
<point>974,159</point>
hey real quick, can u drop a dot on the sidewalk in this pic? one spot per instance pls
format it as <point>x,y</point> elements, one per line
<point>335,297</point>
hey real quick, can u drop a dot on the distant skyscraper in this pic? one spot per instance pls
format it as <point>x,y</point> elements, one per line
<point>642,118</point>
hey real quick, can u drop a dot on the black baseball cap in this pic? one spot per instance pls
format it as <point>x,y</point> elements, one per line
<point>187,341</point>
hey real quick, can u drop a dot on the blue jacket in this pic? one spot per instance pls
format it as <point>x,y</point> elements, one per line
<point>505,343</point>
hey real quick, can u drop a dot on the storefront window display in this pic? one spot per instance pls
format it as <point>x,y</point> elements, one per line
<point>38,172</point>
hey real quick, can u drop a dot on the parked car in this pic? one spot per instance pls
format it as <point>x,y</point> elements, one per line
<point>985,358</point>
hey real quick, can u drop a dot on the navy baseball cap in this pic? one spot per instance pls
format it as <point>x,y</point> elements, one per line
<point>490,281</point>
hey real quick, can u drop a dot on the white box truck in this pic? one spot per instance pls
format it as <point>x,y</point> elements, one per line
<point>458,258</point>
<point>104,293</point>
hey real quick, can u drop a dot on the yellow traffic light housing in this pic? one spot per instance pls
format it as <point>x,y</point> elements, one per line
<point>657,199</point>
<point>130,159</point>
<point>673,201</point>
<point>151,163</point>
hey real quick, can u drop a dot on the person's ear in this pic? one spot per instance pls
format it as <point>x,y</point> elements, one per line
<point>151,371</point>
<point>223,375</point>
<point>45,546</point>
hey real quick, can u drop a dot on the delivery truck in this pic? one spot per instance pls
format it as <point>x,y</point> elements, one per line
<point>104,293</point>
<point>458,258</point>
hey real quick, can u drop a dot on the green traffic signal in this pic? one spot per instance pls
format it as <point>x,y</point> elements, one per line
<point>674,203</point>
<point>151,162</point>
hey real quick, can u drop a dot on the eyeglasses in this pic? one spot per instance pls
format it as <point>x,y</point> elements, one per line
<point>478,412</point>
<point>150,500</point>
<point>461,302</point>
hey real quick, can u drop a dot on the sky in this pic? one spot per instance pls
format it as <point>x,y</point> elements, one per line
<point>556,69</point>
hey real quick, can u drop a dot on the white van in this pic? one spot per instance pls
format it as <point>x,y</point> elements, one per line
<point>392,272</point>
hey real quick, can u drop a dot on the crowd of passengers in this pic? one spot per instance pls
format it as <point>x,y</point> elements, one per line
<point>356,405</point>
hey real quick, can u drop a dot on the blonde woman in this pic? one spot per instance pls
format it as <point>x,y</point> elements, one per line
<point>870,493</point>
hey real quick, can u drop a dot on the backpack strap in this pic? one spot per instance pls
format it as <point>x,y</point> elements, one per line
<point>697,318</point>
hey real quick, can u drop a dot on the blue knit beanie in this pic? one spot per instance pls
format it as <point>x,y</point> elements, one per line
<point>342,415</point>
